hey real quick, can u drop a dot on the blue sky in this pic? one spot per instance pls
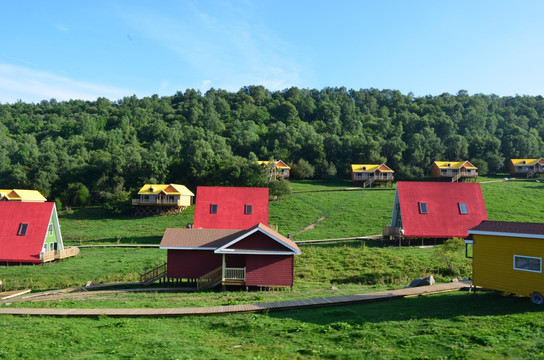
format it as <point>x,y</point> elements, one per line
<point>88,49</point>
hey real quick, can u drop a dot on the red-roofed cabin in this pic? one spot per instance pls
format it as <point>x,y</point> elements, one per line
<point>436,210</point>
<point>219,207</point>
<point>30,233</point>
<point>257,256</point>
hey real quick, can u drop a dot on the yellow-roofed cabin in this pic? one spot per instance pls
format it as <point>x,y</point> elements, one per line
<point>526,167</point>
<point>455,171</point>
<point>507,256</point>
<point>21,195</point>
<point>162,198</point>
<point>368,174</point>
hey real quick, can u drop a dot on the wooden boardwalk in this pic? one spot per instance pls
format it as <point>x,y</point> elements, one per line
<point>228,309</point>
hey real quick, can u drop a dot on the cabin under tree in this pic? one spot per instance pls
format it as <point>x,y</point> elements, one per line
<point>162,198</point>
<point>368,174</point>
<point>454,171</point>
<point>278,169</point>
<point>526,167</point>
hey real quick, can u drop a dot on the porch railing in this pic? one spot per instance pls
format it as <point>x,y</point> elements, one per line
<point>46,256</point>
<point>234,274</point>
<point>156,202</point>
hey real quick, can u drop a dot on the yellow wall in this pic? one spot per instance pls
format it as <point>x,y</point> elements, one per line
<point>493,264</point>
<point>185,200</point>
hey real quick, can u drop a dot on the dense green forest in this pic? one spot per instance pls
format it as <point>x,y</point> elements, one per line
<point>109,149</point>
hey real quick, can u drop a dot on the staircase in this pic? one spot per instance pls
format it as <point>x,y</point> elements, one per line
<point>210,279</point>
<point>531,173</point>
<point>153,275</point>
<point>369,182</point>
<point>456,177</point>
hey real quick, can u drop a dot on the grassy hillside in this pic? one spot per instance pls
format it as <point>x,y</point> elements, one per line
<point>451,325</point>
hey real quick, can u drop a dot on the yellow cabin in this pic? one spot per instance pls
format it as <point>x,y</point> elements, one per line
<point>278,168</point>
<point>507,256</point>
<point>159,198</point>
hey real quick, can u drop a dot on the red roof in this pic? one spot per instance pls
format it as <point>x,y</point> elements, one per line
<point>23,248</point>
<point>231,211</point>
<point>443,218</point>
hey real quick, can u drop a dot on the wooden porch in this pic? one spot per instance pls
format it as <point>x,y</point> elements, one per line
<point>47,256</point>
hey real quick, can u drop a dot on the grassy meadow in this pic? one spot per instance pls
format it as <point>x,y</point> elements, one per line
<point>452,325</point>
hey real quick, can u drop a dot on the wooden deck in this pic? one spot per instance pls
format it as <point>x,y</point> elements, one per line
<point>215,310</point>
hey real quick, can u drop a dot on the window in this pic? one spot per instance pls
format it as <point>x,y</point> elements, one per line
<point>22,229</point>
<point>423,208</point>
<point>50,229</point>
<point>248,210</point>
<point>213,208</point>
<point>463,209</point>
<point>527,263</point>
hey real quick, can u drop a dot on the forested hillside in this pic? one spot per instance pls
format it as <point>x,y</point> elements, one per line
<point>111,148</point>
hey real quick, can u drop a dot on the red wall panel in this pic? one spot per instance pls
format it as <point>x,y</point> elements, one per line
<point>269,270</point>
<point>191,264</point>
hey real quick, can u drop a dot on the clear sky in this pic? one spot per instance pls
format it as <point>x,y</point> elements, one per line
<point>110,48</point>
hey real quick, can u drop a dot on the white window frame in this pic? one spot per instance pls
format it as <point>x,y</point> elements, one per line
<point>50,230</point>
<point>529,257</point>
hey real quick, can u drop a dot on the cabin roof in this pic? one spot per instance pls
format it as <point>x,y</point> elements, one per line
<point>454,164</point>
<point>507,228</point>
<point>230,207</point>
<point>525,161</point>
<point>22,195</point>
<point>169,189</point>
<point>219,240</point>
<point>442,201</point>
<point>27,247</point>
<point>280,164</point>
<point>370,167</point>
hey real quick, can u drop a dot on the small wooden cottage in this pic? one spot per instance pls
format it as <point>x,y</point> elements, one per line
<point>436,210</point>
<point>257,256</point>
<point>367,174</point>
<point>526,167</point>
<point>21,195</point>
<point>30,233</point>
<point>162,198</point>
<point>278,168</point>
<point>507,256</point>
<point>454,170</point>
<point>223,207</point>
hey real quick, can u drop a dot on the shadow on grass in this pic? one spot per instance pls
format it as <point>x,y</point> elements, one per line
<point>456,306</point>
<point>346,243</point>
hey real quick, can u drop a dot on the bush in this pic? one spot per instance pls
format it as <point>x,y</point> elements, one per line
<point>303,170</point>
<point>452,257</point>
<point>279,188</point>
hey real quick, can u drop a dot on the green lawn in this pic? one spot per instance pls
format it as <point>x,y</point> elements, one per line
<point>451,325</point>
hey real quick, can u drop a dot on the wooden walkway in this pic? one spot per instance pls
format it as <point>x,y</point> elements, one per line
<point>228,309</point>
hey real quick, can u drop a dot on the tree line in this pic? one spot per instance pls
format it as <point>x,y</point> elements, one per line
<point>104,151</point>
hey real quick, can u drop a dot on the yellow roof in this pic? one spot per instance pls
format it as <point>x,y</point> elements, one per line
<point>279,164</point>
<point>170,189</point>
<point>522,161</point>
<point>370,167</point>
<point>454,164</point>
<point>22,195</point>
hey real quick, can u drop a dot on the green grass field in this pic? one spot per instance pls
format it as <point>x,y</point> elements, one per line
<point>452,325</point>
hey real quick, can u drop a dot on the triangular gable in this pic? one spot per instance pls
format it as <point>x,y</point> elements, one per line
<point>385,168</point>
<point>27,195</point>
<point>281,165</point>
<point>180,189</point>
<point>290,247</point>
<point>27,247</point>
<point>468,165</point>
<point>443,218</point>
